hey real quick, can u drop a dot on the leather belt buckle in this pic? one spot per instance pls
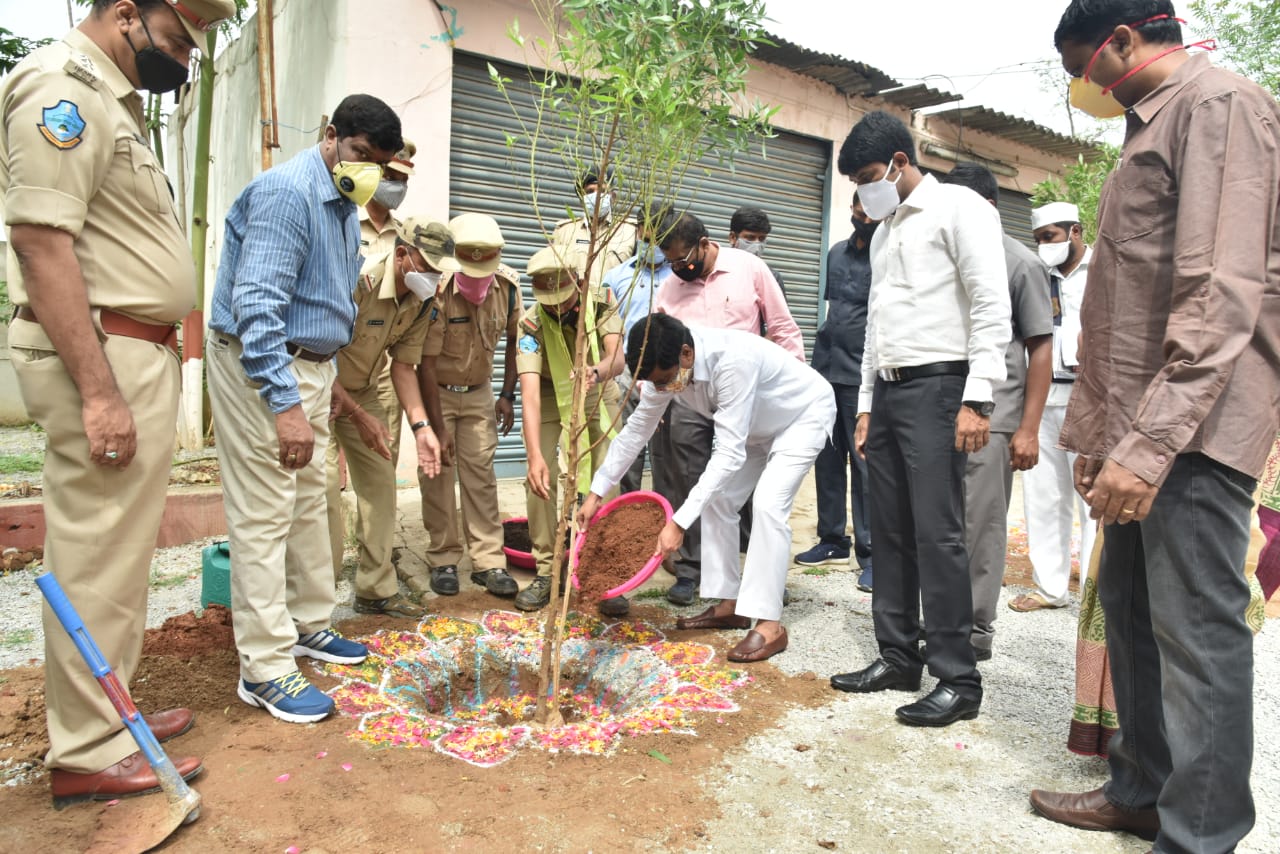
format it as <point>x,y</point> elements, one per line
<point>459,389</point>
<point>890,375</point>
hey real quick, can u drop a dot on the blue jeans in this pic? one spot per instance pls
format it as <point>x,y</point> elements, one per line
<point>1173,591</point>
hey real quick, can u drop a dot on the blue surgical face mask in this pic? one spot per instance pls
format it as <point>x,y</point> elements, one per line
<point>650,254</point>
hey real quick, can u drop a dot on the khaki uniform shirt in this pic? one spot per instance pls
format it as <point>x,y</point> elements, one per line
<point>576,234</point>
<point>74,156</point>
<point>376,242</point>
<point>464,337</point>
<point>1181,314</point>
<point>383,325</point>
<point>531,346</point>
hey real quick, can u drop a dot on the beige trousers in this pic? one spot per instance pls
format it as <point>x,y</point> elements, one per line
<point>391,409</point>
<point>281,567</point>
<point>100,533</point>
<point>543,515</point>
<point>374,482</point>
<point>469,417</point>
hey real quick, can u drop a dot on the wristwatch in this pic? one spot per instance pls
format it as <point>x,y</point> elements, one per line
<point>418,425</point>
<point>507,395</point>
<point>982,407</point>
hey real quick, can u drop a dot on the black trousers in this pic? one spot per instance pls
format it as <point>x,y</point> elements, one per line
<point>840,472</point>
<point>917,525</point>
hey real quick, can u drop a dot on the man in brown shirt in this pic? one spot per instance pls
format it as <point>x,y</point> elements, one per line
<point>1173,413</point>
<point>476,307</point>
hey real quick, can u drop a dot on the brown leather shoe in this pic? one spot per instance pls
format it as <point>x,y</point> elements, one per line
<point>170,723</point>
<point>1092,811</point>
<point>754,648</point>
<point>130,776</point>
<point>708,620</point>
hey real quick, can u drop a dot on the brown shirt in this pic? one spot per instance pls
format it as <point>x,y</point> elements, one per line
<point>1181,314</point>
<point>576,234</point>
<point>532,346</point>
<point>384,324</point>
<point>464,337</point>
<point>74,156</point>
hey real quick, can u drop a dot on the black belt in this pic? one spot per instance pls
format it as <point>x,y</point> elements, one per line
<point>1063,382</point>
<point>915,372</point>
<point>304,353</point>
<point>462,389</point>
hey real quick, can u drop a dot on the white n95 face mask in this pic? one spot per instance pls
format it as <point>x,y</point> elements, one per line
<point>1054,254</point>
<point>880,198</point>
<point>422,285</point>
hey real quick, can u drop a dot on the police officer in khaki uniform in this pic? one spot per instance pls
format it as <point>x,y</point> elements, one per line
<point>548,333</point>
<point>100,271</point>
<point>575,234</point>
<point>378,237</point>
<point>392,300</point>
<point>474,309</point>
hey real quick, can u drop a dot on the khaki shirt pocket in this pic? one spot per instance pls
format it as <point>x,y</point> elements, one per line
<point>149,182</point>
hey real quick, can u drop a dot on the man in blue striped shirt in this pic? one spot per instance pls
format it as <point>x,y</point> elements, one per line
<point>282,308</point>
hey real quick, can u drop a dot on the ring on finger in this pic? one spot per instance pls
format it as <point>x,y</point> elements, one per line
<point>1125,511</point>
<point>112,455</point>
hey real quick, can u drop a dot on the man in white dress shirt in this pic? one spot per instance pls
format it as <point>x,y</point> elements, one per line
<point>937,329</point>
<point>772,414</point>
<point>1048,490</point>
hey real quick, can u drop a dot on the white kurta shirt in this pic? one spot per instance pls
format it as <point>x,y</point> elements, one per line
<point>939,289</point>
<point>1071,296</point>
<point>751,388</point>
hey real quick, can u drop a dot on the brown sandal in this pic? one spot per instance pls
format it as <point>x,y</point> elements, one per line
<point>1031,602</point>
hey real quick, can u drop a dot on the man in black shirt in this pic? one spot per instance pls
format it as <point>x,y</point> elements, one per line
<point>837,355</point>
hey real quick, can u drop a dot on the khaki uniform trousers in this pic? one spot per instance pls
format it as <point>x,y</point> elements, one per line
<point>101,525</point>
<point>392,411</point>
<point>469,417</point>
<point>374,482</point>
<point>281,568</point>
<point>543,515</point>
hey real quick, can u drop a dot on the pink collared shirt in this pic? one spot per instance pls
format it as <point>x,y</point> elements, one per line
<point>740,293</point>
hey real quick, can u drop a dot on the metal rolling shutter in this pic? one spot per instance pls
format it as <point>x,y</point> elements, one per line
<point>785,176</point>
<point>1015,214</point>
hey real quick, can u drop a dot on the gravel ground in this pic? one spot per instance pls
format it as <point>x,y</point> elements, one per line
<point>847,774</point>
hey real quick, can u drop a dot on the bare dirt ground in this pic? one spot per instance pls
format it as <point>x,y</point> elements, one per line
<point>797,767</point>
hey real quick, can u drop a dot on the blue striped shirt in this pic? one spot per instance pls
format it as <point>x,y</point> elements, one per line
<point>290,260</point>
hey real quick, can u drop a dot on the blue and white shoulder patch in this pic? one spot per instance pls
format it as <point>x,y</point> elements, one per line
<point>527,344</point>
<point>62,125</point>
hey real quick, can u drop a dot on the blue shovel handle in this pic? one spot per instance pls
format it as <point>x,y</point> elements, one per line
<point>170,780</point>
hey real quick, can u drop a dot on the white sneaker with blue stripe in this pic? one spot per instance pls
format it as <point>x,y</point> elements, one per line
<point>328,645</point>
<point>290,698</point>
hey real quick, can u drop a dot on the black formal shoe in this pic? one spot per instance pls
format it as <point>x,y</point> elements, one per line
<point>444,580</point>
<point>940,707</point>
<point>683,592</point>
<point>880,676</point>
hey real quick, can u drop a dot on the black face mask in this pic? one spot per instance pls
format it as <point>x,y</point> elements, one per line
<point>863,230</point>
<point>570,317</point>
<point>689,270</point>
<point>157,71</point>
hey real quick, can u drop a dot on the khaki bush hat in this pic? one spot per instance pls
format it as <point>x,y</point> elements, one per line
<point>551,260</point>
<point>201,16</point>
<point>478,243</point>
<point>433,239</point>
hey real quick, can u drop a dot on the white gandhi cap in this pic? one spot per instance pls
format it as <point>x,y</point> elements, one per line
<point>1054,212</point>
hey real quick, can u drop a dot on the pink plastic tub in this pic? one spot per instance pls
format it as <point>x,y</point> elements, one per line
<point>642,496</point>
<point>519,559</point>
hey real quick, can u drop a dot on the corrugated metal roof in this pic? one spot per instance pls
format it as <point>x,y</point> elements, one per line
<point>1013,128</point>
<point>918,96</point>
<point>857,78</point>
<point>846,75</point>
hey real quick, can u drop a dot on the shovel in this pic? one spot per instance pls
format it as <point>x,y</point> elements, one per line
<point>150,822</point>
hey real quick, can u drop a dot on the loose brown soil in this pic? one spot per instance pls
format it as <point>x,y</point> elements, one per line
<point>15,559</point>
<point>515,535</point>
<point>186,635</point>
<point>617,547</point>
<point>391,800</point>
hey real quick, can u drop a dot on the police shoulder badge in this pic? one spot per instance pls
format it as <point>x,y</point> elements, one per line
<point>528,344</point>
<point>62,126</point>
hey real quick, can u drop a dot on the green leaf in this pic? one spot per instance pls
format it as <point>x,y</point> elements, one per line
<point>660,756</point>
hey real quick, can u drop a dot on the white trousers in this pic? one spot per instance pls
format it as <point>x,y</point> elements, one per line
<point>774,471</point>
<point>1048,500</point>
